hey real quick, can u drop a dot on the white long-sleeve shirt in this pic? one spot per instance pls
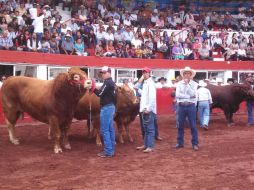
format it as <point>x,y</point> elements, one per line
<point>148,96</point>
<point>184,92</point>
<point>203,94</point>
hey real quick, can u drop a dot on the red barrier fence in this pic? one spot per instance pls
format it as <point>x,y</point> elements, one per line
<point>16,57</point>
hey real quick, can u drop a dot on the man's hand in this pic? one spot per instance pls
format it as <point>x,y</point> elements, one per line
<point>145,111</point>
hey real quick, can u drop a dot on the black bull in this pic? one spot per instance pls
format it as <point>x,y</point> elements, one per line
<point>229,97</point>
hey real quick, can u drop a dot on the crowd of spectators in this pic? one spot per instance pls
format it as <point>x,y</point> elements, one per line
<point>37,26</point>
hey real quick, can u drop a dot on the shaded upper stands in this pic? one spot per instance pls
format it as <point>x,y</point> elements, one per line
<point>176,25</point>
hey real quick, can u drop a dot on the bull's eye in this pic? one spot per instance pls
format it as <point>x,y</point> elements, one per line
<point>76,77</point>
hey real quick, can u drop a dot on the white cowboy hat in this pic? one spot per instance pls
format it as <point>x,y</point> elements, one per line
<point>188,69</point>
<point>202,83</point>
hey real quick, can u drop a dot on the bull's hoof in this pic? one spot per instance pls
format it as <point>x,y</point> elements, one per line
<point>99,144</point>
<point>230,125</point>
<point>67,146</point>
<point>58,150</point>
<point>15,141</point>
<point>131,139</point>
<point>121,140</point>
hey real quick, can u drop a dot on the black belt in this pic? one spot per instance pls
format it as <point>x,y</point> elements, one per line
<point>186,103</point>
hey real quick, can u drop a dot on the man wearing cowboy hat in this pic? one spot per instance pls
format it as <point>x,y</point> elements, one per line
<point>186,97</point>
<point>204,99</point>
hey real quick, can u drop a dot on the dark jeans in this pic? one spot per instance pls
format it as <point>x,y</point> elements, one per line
<point>183,112</point>
<point>250,106</point>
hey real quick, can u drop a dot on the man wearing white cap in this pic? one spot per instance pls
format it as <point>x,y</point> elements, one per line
<point>186,97</point>
<point>107,96</point>
<point>204,99</point>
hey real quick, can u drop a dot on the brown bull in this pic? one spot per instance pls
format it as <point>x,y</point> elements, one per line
<point>229,97</point>
<point>89,109</point>
<point>52,102</point>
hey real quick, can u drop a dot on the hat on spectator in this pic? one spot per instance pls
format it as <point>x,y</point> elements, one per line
<point>188,69</point>
<point>46,6</point>
<point>219,80</point>
<point>249,75</point>
<point>146,70</point>
<point>202,83</point>
<point>105,69</point>
<point>67,35</point>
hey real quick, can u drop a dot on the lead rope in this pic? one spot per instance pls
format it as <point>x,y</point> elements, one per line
<point>90,114</point>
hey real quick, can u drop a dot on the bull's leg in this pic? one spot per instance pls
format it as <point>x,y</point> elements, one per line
<point>54,124</point>
<point>96,126</point>
<point>127,129</point>
<point>50,133</point>
<point>231,118</point>
<point>66,142</point>
<point>227,115</point>
<point>11,131</point>
<point>120,132</point>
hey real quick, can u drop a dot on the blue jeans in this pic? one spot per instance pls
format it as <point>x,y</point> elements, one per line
<point>149,129</point>
<point>204,112</point>
<point>188,111</point>
<point>250,105</point>
<point>107,128</point>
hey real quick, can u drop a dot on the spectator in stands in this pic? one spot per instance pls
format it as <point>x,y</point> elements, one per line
<point>21,42</point>
<point>189,19</point>
<point>128,35</point>
<point>120,50</point>
<point>250,49</point>
<point>100,35</point>
<point>138,52</point>
<point>230,54</point>
<point>204,52</point>
<point>110,50</point>
<point>154,17</point>
<point>53,45</point>
<point>99,50</point>
<point>45,46</point>
<point>160,23</point>
<point>33,44</point>
<point>3,78</point>
<point>187,52</point>
<point>109,36</point>
<point>80,48</point>
<point>241,53</point>
<point>67,45</point>
<point>177,51</point>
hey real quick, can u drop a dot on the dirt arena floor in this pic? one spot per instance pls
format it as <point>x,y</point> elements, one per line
<point>225,160</point>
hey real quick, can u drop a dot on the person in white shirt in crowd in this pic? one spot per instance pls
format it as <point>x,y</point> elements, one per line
<point>204,99</point>
<point>148,111</point>
<point>33,11</point>
<point>154,17</point>
<point>109,36</point>
<point>162,83</point>
<point>38,26</point>
<point>241,53</point>
<point>117,20</point>
<point>136,41</point>
<point>204,52</point>
<point>127,21</point>
<point>47,11</point>
<point>100,35</point>
<point>187,52</point>
<point>128,35</point>
<point>118,35</point>
<point>33,44</point>
<point>74,26</point>
<point>219,81</point>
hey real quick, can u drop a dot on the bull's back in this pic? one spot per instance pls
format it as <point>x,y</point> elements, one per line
<point>26,94</point>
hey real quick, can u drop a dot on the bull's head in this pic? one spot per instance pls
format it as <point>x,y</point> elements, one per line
<point>77,77</point>
<point>126,94</point>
